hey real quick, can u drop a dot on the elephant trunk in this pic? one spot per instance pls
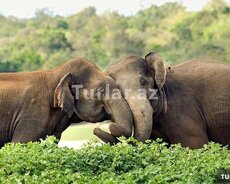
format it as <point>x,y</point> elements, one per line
<point>142,113</point>
<point>121,114</point>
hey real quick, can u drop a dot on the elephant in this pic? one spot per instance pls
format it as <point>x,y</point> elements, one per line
<point>187,104</point>
<point>40,103</point>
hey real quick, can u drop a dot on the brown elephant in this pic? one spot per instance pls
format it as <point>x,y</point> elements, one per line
<point>40,103</point>
<point>192,103</point>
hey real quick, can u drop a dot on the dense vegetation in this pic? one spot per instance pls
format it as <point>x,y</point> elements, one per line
<point>153,162</point>
<point>46,40</point>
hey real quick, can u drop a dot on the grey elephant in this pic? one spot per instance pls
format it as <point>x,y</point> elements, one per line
<point>191,105</point>
<point>40,103</point>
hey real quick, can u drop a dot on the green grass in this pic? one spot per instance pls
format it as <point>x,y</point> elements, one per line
<point>82,131</point>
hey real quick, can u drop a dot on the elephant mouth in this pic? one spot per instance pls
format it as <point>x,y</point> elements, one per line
<point>107,117</point>
<point>92,117</point>
<point>162,103</point>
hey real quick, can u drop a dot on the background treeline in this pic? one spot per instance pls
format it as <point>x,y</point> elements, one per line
<point>46,41</point>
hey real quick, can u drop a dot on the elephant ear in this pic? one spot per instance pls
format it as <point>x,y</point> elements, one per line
<point>157,67</point>
<point>63,98</point>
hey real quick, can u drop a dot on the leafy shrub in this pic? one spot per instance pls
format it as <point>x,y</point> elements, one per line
<point>153,162</point>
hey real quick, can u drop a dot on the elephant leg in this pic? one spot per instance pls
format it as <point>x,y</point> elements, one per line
<point>188,132</point>
<point>191,141</point>
<point>156,133</point>
<point>57,135</point>
<point>105,136</point>
<point>27,131</point>
<point>61,127</point>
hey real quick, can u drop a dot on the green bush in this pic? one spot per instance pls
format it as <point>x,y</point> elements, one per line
<point>153,162</point>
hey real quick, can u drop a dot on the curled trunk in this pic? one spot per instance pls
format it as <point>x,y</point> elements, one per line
<point>142,113</point>
<point>122,118</point>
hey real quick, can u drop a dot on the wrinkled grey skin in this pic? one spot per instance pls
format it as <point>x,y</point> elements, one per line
<point>193,104</point>
<point>36,104</point>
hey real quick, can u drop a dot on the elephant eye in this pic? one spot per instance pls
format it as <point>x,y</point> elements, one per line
<point>100,92</point>
<point>143,82</point>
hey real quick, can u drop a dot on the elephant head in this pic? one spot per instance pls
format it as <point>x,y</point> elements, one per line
<point>86,91</point>
<point>141,81</point>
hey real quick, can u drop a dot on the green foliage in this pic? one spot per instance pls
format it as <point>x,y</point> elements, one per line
<point>168,29</point>
<point>152,162</point>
